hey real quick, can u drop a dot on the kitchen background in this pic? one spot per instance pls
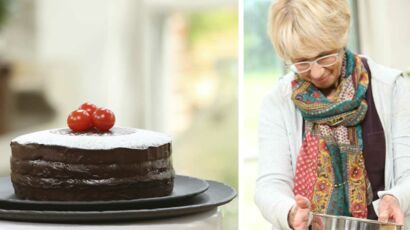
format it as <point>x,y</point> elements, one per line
<point>379,30</point>
<point>169,66</point>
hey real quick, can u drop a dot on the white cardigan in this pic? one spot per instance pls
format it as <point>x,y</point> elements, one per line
<point>280,139</point>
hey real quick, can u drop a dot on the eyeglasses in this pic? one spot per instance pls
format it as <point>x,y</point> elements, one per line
<point>325,61</point>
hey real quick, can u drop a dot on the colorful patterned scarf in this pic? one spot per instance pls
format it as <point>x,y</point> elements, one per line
<point>330,168</point>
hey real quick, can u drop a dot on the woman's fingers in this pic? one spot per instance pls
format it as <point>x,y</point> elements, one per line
<point>301,213</point>
<point>317,223</point>
<point>394,216</point>
<point>302,202</point>
<point>398,218</point>
<point>389,210</point>
<point>384,216</point>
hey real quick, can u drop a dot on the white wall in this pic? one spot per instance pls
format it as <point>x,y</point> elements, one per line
<point>92,52</point>
<point>385,31</point>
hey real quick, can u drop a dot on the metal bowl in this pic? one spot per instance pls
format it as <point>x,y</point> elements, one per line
<point>329,222</point>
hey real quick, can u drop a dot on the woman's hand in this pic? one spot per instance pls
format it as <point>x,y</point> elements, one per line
<point>298,217</point>
<point>389,210</point>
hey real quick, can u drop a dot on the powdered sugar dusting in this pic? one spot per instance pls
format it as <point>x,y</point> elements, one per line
<point>117,138</point>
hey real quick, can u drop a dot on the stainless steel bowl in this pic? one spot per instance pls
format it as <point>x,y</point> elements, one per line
<point>329,222</point>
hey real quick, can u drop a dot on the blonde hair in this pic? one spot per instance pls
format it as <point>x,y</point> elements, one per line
<point>305,28</point>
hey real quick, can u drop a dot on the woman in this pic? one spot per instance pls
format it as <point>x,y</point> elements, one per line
<point>335,132</point>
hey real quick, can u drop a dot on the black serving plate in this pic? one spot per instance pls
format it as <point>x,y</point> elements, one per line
<point>217,194</point>
<point>184,188</point>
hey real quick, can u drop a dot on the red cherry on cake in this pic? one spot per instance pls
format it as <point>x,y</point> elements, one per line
<point>103,119</point>
<point>89,107</point>
<point>79,120</point>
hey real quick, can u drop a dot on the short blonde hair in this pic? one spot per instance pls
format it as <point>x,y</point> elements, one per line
<point>305,28</point>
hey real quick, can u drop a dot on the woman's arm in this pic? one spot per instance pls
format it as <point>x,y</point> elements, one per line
<point>274,195</point>
<point>401,144</point>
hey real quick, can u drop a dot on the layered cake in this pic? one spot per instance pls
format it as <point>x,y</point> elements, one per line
<point>62,165</point>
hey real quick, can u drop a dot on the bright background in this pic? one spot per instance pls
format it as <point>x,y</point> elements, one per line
<point>379,29</point>
<point>164,65</point>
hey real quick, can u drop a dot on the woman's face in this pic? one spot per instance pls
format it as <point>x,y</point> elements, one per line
<point>322,77</point>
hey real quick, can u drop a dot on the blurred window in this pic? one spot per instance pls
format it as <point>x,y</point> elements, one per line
<point>200,70</point>
<point>201,55</point>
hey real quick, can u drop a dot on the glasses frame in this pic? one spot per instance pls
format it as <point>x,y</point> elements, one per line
<point>294,69</point>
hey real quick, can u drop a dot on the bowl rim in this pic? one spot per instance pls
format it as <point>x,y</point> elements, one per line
<point>357,219</point>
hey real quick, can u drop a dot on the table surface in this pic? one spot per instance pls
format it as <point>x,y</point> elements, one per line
<point>201,221</point>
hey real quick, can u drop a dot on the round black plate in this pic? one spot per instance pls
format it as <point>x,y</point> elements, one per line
<point>217,194</point>
<point>184,187</point>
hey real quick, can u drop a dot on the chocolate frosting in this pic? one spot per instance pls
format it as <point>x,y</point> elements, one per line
<point>47,172</point>
<point>87,156</point>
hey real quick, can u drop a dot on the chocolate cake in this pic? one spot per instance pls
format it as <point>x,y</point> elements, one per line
<point>61,165</point>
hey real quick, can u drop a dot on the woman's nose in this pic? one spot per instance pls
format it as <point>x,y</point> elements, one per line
<point>316,71</point>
